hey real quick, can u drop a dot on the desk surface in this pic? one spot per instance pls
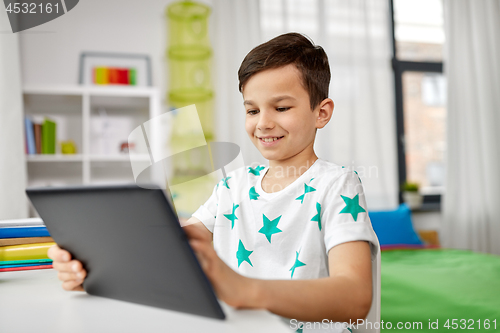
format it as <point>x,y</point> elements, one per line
<point>33,301</point>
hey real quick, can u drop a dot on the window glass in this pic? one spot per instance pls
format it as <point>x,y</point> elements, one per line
<point>425,129</point>
<point>419,30</point>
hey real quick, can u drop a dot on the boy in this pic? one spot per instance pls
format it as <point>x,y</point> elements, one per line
<point>293,238</point>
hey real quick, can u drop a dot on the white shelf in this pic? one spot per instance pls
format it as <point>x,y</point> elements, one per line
<point>92,90</point>
<point>75,110</point>
<point>79,158</point>
<point>118,158</point>
<point>54,158</point>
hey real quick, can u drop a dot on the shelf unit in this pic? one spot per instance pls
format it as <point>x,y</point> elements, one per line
<point>98,119</point>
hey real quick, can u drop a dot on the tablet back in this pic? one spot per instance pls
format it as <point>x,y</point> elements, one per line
<point>131,244</point>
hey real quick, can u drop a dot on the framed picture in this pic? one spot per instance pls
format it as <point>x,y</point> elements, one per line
<point>100,68</point>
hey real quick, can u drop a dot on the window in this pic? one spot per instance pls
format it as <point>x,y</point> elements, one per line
<point>418,38</point>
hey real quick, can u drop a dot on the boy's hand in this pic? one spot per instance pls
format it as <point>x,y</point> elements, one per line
<point>71,272</point>
<point>231,287</point>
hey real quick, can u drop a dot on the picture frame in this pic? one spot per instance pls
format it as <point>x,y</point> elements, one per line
<point>92,61</point>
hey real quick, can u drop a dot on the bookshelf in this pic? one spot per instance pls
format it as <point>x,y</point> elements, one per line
<point>98,119</point>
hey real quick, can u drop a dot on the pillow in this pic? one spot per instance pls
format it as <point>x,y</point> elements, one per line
<point>394,228</point>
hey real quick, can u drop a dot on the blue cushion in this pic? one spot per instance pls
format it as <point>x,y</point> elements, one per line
<point>394,227</point>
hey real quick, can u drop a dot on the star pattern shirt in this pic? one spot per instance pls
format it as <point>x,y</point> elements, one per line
<point>286,234</point>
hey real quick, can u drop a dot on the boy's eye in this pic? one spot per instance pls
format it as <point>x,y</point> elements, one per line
<point>282,109</point>
<point>252,112</point>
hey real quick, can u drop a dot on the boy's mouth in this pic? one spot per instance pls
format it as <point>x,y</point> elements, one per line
<point>270,139</point>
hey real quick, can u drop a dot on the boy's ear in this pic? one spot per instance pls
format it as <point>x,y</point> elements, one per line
<point>325,112</point>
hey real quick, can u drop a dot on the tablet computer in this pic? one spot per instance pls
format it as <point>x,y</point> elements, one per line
<point>130,242</point>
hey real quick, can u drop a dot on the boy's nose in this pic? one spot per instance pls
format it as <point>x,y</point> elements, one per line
<point>266,121</point>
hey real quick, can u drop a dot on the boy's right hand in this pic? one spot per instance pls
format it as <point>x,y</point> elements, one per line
<point>70,272</point>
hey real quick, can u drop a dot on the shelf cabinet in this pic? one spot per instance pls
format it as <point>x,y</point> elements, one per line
<point>98,120</point>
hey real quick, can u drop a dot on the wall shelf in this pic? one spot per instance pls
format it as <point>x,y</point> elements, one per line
<point>98,120</point>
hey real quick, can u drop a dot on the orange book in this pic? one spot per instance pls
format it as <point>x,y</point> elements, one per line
<point>24,240</point>
<point>38,137</point>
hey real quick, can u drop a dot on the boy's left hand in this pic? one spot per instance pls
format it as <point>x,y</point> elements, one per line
<point>231,287</point>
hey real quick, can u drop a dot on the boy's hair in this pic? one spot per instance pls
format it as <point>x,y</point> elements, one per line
<point>291,48</point>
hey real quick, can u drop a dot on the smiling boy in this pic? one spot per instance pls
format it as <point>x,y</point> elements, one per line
<point>295,237</point>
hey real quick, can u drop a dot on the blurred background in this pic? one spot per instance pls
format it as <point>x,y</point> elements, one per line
<point>415,85</point>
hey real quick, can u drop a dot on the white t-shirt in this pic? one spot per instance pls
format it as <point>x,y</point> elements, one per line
<point>286,234</point>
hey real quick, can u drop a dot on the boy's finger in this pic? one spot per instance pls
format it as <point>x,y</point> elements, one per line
<point>74,266</point>
<point>72,285</point>
<point>68,276</point>
<point>57,254</point>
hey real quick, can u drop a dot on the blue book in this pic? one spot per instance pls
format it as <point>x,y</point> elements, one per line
<point>20,232</point>
<point>30,136</point>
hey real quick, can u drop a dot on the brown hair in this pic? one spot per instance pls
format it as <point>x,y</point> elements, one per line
<point>291,48</point>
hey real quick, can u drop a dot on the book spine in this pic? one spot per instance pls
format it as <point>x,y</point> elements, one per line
<point>21,232</point>
<point>28,261</point>
<point>24,265</point>
<point>25,268</point>
<point>38,137</point>
<point>49,137</point>
<point>30,137</point>
<point>25,252</point>
<point>33,221</point>
<point>24,240</point>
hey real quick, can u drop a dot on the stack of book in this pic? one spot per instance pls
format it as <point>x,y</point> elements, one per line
<point>40,138</point>
<point>24,244</point>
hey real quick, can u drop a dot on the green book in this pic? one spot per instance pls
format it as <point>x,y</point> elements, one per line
<point>48,137</point>
<point>22,262</point>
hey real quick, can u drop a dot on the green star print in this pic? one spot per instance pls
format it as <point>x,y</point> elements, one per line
<point>253,194</point>
<point>224,181</point>
<point>270,227</point>
<point>297,264</point>
<point>256,171</point>
<point>307,189</point>
<point>243,254</point>
<point>232,217</point>
<point>352,206</point>
<point>317,217</point>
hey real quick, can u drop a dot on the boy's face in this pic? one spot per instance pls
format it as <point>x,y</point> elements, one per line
<point>279,119</point>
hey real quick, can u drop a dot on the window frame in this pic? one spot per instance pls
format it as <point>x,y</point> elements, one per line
<point>430,202</point>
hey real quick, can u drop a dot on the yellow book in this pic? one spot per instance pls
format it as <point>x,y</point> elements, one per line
<point>25,252</point>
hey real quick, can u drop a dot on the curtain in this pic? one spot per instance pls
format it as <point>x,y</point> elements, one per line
<point>471,204</point>
<point>235,32</point>
<point>355,34</point>
<point>12,159</point>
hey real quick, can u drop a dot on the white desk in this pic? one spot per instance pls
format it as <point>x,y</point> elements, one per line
<point>33,301</point>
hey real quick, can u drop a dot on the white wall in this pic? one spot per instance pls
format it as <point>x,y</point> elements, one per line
<point>50,52</point>
<point>13,203</point>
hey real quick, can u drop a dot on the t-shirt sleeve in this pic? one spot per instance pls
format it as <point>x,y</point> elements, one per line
<point>345,215</point>
<point>208,211</point>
